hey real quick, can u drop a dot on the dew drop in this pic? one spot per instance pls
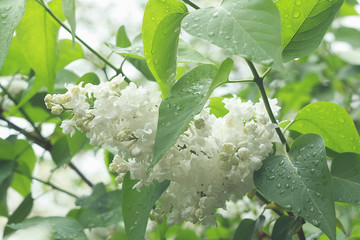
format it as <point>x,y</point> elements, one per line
<point>211,34</point>
<point>311,209</point>
<point>215,14</point>
<point>282,191</point>
<point>185,25</point>
<point>8,8</point>
<point>316,162</point>
<point>296,13</point>
<point>196,19</point>
<point>288,207</point>
<point>312,171</point>
<point>281,163</point>
<point>153,18</point>
<point>316,223</point>
<point>298,2</point>
<point>286,15</point>
<point>278,185</point>
<point>227,37</point>
<point>4,15</point>
<point>341,120</point>
<point>287,186</point>
<point>298,210</point>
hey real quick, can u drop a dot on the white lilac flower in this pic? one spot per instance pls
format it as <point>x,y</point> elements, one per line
<point>213,160</point>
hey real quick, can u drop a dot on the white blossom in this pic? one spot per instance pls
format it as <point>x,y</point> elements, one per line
<point>213,160</point>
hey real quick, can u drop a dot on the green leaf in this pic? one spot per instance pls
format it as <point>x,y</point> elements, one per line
<point>345,171</point>
<point>160,33</point>
<point>77,142</point>
<point>64,77</point>
<point>6,169</point>
<point>349,35</point>
<point>248,28</point>
<point>122,39</point>
<point>60,152</point>
<point>301,182</point>
<point>37,34</point>
<point>247,228</point>
<point>217,107</point>
<point>100,209</point>
<point>330,121</point>
<point>304,24</point>
<point>186,99</point>
<point>25,163</point>
<point>7,150</point>
<point>68,7</point>
<point>15,61</point>
<point>61,228</point>
<point>285,227</point>
<point>136,206</point>
<point>296,95</point>
<point>68,53</point>
<point>11,12</point>
<point>186,54</point>
<point>187,234</point>
<point>21,212</point>
<point>89,78</point>
<point>4,185</point>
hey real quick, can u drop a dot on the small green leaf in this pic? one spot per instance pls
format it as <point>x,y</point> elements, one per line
<point>4,185</point>
<point>68,53</point>
<point>64,77</point>
<point>89,78</point>
<point>304,24</point>
<point>217,107</point>
<point>349,35</point>
<point>186,99</point>
<point>345,171</point>
<point>68,7</point>
<point>160,33</point>
<point>60,152</point>
<point>285,227</point>
<point>77,142</point>
<point>248,28</point>
<point>11,12</point>
<point>7,150</point>
<point>301,182</point>
<point>21,212</point>
<point>136,206</point>
<point>247,228</point>
<point>61,228</point>
<point>330,121</point>
<point>25,163</point>
<point>6,169</point>
<point>100,209</point>
<point>122,39</point>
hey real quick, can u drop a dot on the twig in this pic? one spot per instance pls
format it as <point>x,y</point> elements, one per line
<point>48,183</point>
<point>260,84</point>
<point>193,5</point>
<point>81,174</point>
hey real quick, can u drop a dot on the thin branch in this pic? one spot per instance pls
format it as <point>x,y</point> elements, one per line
<point>27,117</point>
<point>263,199</point>
<point>48,183</point>
<point>44,143</point>
<point>81,174</point>
<point>260,84</point>
<point>117,70</point>
<point>193,5</point>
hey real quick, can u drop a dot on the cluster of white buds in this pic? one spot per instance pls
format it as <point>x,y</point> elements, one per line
<point>211,161</point>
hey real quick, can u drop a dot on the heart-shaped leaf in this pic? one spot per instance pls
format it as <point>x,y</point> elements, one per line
<point>248,28</point>
<point>301,182</point>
